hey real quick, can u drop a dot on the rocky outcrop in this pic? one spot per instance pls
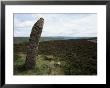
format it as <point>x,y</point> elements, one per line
<point>32,48</point>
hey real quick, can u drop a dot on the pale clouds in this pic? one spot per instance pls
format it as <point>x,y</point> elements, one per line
<point>71,25</point>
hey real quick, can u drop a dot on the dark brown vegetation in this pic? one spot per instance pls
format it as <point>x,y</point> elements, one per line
<point>77,57</point>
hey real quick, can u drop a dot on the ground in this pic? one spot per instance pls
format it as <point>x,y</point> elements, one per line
<point>44,66</point>
<point>59,57</point>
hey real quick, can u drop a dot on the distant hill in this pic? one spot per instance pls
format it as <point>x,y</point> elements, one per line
<point>20,39</point>
<point>26,39</point>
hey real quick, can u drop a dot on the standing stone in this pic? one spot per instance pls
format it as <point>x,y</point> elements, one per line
<point>32,48</point>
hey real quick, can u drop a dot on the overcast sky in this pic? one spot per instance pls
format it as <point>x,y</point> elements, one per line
<point>69,25</point>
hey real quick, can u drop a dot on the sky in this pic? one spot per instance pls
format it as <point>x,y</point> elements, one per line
<point>64,24</point>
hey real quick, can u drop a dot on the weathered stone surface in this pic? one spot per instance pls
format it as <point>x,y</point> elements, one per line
<point>32,48</point>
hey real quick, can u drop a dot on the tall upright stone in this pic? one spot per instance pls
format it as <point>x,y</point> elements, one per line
<point>32,48</point>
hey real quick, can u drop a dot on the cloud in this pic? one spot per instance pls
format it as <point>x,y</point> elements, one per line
<point>22,32</point>
<point>22,24</point>
<point>73,25</point>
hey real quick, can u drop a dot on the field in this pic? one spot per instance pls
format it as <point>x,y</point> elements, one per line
<point>58,57</point>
